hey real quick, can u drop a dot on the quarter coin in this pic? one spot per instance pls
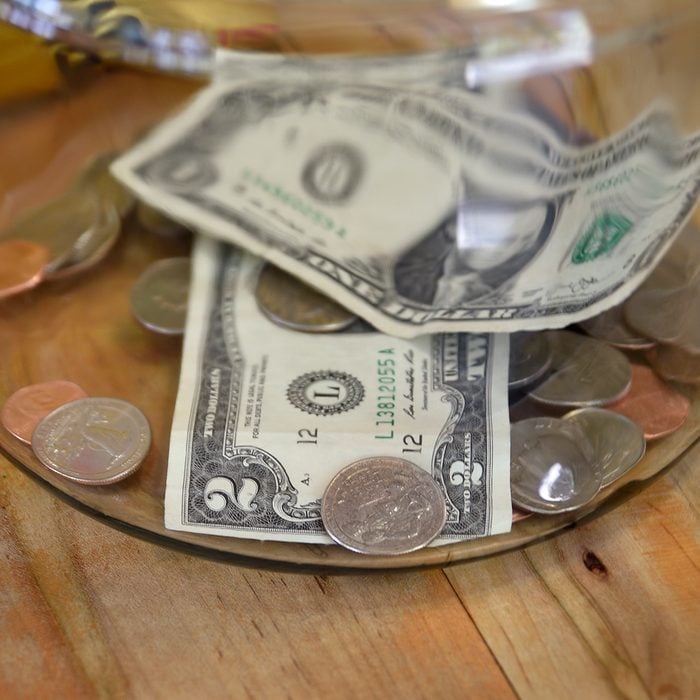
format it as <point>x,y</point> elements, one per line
<point>159,297</point>
<point>290,303</point>
<point>610,326</point>
<point>22,265</point>
<point>553,466</point>
<point>383,506</point>
<point>27,406</point>
<point>98,178</point>
<point>585,372</point>
<point>94,441</point>
<point>530,358</point>
<point>618,442</point>
<point>652,404</point>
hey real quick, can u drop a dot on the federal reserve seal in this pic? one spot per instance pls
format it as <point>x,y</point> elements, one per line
<point>325,392</point>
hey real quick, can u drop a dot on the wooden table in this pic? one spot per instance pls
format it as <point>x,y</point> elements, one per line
<point>609,609</point>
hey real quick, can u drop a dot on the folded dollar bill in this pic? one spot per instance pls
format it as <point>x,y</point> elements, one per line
<point>266,416</point>
<point>423,209</point>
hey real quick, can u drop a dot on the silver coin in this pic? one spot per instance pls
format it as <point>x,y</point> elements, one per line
<point>675,364</point>
<point>97,178</point>
<point>159,297</point>
<point>610,326</point>
<point>586,372</point>
<point>530,358</point>
<point>618,442</point>
<point>290,303</point>
<point>553,466</point>
<point>90,248</point>
<point>93,441</point>
<point>156,222</point>
<point>383,506</point>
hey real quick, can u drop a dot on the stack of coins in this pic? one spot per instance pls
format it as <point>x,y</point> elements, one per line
<point>67,236</point>
<point>92,441</point>
<point>618,379</point>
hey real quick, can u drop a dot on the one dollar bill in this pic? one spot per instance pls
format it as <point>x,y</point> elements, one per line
<point>266,416</point>
<point>422,210</point>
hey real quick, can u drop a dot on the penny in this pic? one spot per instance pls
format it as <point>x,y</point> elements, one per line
<point>27,406</point>
<point>652,404</point>
<point>155,222</point>
<point>290,303</point>
<point>94,441</point>
<point>530,358</point>
<point>610,326</point>
<point>675,364</point>
<point>618,442</point>
<point>58,224</point>
<point>586,372</point>
<point>90,248</point>
<point>519,515</point>
<point>159,297</point>
<point>383,505</point>
<point>22,265</point>
<point>553,466</point>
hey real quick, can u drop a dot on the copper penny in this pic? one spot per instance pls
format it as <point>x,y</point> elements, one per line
<point>653,405</point>
<point>675,364</point>
<point>519,515</point>
<point>29,405</point>
<point>22,265</point>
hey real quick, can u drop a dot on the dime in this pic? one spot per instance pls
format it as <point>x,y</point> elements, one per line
<point>586,372</point>
<point>155,222</point>
<point>22,265</point>
<point>290,303</point>
<point>159,297</point>
<point>675,364</point>
<point>530,358</point>
<point>94,441</point>
<point>90,248</point>
<point>610,326</point>
<point>27,406</point>
<point>553,466</point>
<point>652,404</point>
<point>383,505</point>
<point>618,442</point>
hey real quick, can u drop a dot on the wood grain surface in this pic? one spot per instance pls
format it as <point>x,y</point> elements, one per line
<point>608,609</point>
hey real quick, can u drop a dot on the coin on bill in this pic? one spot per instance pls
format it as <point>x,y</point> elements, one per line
<point>289,303</point>
<point>652,404</point>
<point>383,506</point>
<point>553,466</point>
<point>27,406</point>
<point>22,265</point>
<point>618,442</point>
<point>159,297</point>
<point>584,372</point>
<point>95,441</point>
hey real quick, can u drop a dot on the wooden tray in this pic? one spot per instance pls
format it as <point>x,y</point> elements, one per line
<point>82,330</point>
